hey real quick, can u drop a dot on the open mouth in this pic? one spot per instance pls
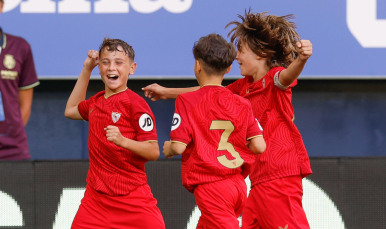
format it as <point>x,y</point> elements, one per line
<point>112,77</point>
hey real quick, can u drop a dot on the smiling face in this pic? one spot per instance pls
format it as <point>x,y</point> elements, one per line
<point>247,60</point>
<point>115,68</point>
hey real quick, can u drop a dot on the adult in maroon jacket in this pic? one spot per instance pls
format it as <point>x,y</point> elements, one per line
<point>17,81</point>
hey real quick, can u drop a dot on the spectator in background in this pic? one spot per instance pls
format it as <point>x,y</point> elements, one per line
<point>17,80</point>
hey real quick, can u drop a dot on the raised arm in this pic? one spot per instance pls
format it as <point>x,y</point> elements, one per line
<point>148,150</point>
<point>296,67</point>
<point>78,94</point>
<point>155,91</point>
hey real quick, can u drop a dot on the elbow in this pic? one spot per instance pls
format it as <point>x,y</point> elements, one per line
<point>154,156</point>
<point>260,149</point>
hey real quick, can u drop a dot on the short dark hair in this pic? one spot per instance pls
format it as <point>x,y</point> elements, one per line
<point>269,36</point>
<point>113,44</point>
<point>215,52</point>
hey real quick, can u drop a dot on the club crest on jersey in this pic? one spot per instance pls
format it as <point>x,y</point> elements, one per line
<point>146,122</point>
<point>176,122</point>
<point>9,61</point>
<point>115,116</point>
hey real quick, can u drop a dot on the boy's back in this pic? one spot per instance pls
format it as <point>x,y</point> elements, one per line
<point>215,124</point>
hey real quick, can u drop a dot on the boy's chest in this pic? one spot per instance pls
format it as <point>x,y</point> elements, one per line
<point>105,113</point>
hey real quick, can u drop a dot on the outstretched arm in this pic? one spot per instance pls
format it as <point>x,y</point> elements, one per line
<point>78,94</point>
<point>155,91</point>
<point>171,149</point>
<point>147,150</point>
<point>293,71</point>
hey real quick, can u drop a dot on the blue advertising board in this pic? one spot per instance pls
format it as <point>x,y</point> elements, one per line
<point>348,36</point>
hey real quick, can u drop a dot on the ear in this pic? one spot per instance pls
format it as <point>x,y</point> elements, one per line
<point>133,68</point>
<point>198,66</point>
<point>228,69</point>
<point>1,6</point>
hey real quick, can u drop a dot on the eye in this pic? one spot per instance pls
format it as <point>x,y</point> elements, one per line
<point>105,62</point>
<point>119,63</point>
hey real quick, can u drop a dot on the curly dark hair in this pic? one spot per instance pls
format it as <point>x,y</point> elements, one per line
<point>113,44</point>
<point>216,53</point>
<point>269,36</point>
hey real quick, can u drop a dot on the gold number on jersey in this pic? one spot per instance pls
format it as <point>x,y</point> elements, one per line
<point>228,128</point>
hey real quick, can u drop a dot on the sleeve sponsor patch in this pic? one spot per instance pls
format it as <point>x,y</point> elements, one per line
<point>146,122</point>
<point>176,122</point>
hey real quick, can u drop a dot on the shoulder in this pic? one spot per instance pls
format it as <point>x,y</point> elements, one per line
<point>97,95</point>
<point>275,70</point>
<point>12,39</point>
<point>134,97</point>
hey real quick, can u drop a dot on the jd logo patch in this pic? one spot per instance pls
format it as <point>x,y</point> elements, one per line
<point>146,122</point>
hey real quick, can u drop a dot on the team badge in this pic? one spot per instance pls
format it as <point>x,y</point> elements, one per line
<point>176,121</point>
<point>9,61</point>
<point>115,116</point>
<point>146,122</point>
<point>258,123</point>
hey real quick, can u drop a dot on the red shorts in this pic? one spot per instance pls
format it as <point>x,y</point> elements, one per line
<point>135,210</point>
<point>221,202</point>
<point>276,204</point>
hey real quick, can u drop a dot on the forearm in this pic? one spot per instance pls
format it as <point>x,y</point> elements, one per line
<point>172,93</point>
<point>288,76</point>
<point>147,150</point>
<point>25,104</point>
<point>78,94</point>
<point>25,114</point>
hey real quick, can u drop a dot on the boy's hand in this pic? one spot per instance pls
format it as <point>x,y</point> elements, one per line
<point>92,60</point>
<point>154,92</point>
<point>304,49</point>
<point>114,135</point>
<point>166,149</point>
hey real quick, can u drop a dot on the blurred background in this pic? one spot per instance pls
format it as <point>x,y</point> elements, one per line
<point>339,102</point>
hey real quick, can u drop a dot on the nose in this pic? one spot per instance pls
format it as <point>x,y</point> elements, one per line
<point>237,56</point>
<point>111,66</point>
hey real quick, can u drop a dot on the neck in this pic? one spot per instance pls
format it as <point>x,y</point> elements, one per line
<point>209,80</point>
<point>262,70</point>
<point>109,93</point>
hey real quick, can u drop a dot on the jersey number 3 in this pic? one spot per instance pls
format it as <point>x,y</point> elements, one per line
<point>228,128</point>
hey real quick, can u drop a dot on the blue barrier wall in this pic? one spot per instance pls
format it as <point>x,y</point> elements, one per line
<point>335,118</point>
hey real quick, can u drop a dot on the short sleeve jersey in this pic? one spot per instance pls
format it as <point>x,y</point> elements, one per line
<point>17,72</point>
<point>215,125</point>
<point>286,154</point>
<point>115,170</point>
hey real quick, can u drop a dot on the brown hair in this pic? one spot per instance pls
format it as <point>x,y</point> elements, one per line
<point>215,52</point>
<point>269,36</point>
<point>113,44</point>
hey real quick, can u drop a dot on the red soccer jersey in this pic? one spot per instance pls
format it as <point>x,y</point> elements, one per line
<point>113,169</point>
<point>215,125</point>
<point>286,154</point>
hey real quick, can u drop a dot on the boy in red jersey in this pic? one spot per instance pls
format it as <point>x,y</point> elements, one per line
<point>210,129</point>
<point>271,57</point>
<point>122,137</point>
